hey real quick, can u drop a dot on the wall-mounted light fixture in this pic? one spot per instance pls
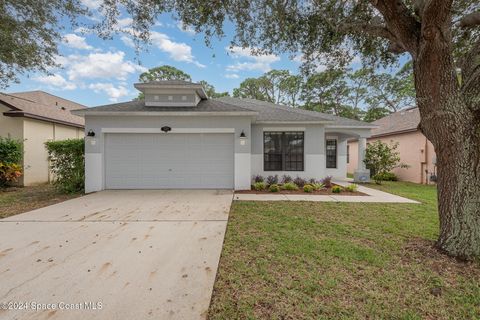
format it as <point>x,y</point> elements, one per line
<point>91,137</point>
<point>243,138</point>
<point>90,133</point>
<point>166,129</point>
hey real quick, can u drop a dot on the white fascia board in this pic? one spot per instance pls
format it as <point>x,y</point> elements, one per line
<point>174,130</point>
<point>350,127</point>
<point>292,122</point>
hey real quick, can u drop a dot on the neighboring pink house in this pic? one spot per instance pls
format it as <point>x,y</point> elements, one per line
<point>414,148</point>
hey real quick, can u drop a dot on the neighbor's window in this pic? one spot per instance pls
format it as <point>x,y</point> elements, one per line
<point>283,151</point>
<point>331,153</point>
<point>348,153</point>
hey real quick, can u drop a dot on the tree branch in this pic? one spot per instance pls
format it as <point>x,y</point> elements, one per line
<point>377,31</point>
<point>470,20</point>
<point>400,22</point>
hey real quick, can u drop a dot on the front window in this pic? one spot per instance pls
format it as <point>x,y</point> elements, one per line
<point>283,151</point>
<point>331,153</point>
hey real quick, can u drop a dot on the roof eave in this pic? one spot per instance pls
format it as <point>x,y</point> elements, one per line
<point>198,88</point>
<point>162,113</point>
<point>351,127</point>
<point>291,122</point>
<point>37,117</point>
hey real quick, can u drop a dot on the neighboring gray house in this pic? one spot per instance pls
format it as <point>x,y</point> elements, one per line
<point>179,138</point>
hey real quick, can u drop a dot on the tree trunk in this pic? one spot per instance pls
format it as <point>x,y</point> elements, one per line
<point>453,127</point>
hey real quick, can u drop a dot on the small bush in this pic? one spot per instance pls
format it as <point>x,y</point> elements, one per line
<point>290,186</point>
<point>286,178</point>
<point>11,154</point>
<point>9,173</point>
<point>274,188</point>
<point>299,181</point>
<point>318,186</point>
<point>386,176</point>
<point>351,187</point>
<point>272,180</point>
<point>11,150</point>
<point>259,186</point>
<point>327,181</point>
<point>312,181</point>
<point>308,188</point>
<point>67,162</point>
<point>258,178</point>
<point>336,189</point>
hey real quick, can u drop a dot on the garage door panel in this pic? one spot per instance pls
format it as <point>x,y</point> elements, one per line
<point>156,161</point>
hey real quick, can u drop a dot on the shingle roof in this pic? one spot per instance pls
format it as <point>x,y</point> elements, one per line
<point>209,105</point>
<point>274,112</point>
<point>43,106</point>
<point>264,111</point>
<point>401,121</point>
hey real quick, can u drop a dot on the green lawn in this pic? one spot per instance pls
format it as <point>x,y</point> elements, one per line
<point>306,260</point>
<point>18,200</point>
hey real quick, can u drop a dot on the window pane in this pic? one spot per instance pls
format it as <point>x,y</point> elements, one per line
<point>331,153</point>
<point>294,142</point>
<point>272,148</point>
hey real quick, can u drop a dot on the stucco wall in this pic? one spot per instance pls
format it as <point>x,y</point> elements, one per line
<point>415,150</point>
<point>35,159</point>
<point>9,126</point>
<point>94,147</point>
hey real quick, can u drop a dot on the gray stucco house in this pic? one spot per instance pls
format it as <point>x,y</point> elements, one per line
<point>179,138</point>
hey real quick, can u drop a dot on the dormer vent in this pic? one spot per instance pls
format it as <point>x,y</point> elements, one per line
<point>172,93</point>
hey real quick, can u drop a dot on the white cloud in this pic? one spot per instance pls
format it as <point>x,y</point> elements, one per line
<point>56,80</point>
<point>254,62</point>
<point>127,41</point>
<point>92,4</point>
<point>114,93</point>
<point>232,76</point>
<point>73,41</point>
<point>187,29</point>
<point>178,51</point>
<point>106,65</point>
<point>124,22</point>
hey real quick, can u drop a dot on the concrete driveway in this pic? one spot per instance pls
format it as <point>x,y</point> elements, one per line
<point>146,254</point>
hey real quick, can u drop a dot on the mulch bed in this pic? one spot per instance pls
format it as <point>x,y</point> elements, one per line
<point>324,192</point>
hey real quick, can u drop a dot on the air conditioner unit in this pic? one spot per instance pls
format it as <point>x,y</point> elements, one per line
<point>362,176</point>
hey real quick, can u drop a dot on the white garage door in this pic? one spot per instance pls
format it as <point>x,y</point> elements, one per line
<point>169,161</point>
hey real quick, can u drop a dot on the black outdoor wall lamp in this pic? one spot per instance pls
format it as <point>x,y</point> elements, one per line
<point>166,129</point>
<point>90,133</point>
<point>243,138</point>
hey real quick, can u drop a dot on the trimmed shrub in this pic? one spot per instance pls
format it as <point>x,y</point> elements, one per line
<point>336,189</point>
<point>290,186</point>
<point>286,178</point>
<point>11,150</point>
<point>258,178</point>
<point>327,181</point>
<point>299,182</point>
<point>274,188</point>
<point>67,163</point>
<point>318,186</point>
<point>308,188</point>
<point>259,186</point>
<point>11,154</point>
<point>272,180</point>
<point>351,187</point>
<point>386,176</point>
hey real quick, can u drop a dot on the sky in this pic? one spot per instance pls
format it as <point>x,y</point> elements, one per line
<point>97,72</point>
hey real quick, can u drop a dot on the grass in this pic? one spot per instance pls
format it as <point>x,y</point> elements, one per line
<point>320,260</point>
<point>21,199</point>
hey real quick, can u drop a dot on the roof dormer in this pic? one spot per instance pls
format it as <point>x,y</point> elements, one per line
<point>172,93</point>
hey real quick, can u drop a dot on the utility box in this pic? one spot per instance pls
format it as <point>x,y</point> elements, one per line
<point>362,176</point>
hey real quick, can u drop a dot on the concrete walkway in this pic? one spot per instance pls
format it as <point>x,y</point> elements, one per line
<point>132,254</point>
<point>373,195</point>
